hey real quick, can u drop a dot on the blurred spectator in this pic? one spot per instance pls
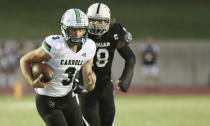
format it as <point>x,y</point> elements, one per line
<point>2,64</point>
<point>21,50</point>
<point>149,53</point>
<point>8,64</point>
<point>10,54</point>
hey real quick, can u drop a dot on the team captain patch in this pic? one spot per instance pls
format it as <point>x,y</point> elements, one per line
<point>46,46</point>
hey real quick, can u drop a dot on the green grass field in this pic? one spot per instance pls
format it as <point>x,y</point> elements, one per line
<point>131,111</point>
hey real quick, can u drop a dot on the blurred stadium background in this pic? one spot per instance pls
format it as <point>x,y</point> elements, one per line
<point>181,28</point>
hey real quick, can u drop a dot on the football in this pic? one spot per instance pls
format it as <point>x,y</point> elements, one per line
<point>41,68</point>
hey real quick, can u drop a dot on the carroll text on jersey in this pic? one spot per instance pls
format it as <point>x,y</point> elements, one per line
<point>71,62</point>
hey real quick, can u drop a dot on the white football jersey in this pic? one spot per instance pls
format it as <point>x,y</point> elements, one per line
<point>65,64</point>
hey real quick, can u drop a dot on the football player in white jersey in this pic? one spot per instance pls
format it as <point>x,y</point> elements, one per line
<point>66,54</point>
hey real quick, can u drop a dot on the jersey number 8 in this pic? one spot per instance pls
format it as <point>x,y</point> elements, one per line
<point>102,57</point>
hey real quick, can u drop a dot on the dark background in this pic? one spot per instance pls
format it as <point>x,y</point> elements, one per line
<point>162,19</point>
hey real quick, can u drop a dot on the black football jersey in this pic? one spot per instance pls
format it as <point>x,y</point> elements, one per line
<point>106,45</point>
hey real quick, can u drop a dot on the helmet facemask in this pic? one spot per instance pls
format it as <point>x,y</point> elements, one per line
<point>98,29</point>
<point>74,40</point>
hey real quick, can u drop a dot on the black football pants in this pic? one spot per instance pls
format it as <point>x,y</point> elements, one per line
<point>59,111</point>
<point>98,108</point>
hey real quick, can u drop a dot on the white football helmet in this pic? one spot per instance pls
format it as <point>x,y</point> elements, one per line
<point>74,18</point>
<point>98,11</point>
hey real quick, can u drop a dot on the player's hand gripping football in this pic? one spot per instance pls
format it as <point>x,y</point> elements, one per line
<point>91,80</point>
<point>37,83</point>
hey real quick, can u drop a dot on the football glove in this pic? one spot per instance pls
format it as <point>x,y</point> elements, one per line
<point>78,88</point>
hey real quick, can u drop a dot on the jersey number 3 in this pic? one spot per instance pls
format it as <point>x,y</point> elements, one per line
<point>102,57</point>
<point>70,71</point>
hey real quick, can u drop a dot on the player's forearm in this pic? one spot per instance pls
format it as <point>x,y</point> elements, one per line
<point>86,72</point>
<point>130,60</point>
<point>89,80</point>
<point>127,75</point>
<point>89,77</point>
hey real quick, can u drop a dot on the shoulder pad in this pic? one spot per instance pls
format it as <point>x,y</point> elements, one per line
<point>128,37</point>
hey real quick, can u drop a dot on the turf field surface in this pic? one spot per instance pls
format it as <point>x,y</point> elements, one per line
<point>161,110</point>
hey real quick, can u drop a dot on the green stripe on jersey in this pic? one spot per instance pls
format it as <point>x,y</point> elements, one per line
<point>77,15</point>
<point>46,46</point>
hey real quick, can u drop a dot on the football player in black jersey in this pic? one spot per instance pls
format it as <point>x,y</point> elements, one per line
<point>98,106</point>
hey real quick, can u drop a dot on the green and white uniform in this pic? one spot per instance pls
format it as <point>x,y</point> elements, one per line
<point>65,64</point>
